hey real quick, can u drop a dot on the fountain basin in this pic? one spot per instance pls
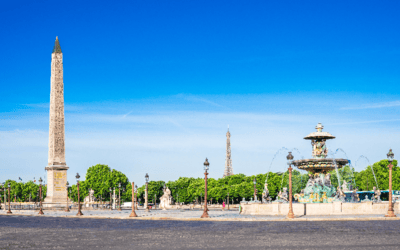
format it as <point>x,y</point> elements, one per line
<point>320,165</point>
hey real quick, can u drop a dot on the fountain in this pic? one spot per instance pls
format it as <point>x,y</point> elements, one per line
<point>319,188</point>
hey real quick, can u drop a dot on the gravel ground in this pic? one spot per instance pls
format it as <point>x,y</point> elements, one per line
<point>183,214</point>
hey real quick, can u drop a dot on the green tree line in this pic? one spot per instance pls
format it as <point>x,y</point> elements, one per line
<point>101,178</point>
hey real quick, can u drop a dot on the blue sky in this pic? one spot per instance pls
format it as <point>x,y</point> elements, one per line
<point>151,86</point>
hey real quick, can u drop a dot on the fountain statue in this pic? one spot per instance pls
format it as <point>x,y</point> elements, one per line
<point>282,195</point>
<point>265,195</point>
<point>319,188</point>
<point>344,186</point>
<point>377,195</point>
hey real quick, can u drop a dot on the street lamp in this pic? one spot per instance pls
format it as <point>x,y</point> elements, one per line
<point>79,197</point>
<point>110,197</point>
<point>146,193</point>
<point>40,196</point>
<point>133,213</point>
<point>390,212</point>
<point>136,203</point>
<point>255,182</point>
<point>228,199</point>
<point>119,197</point>
<point>289,158</point>
<point>67,186</point>
<point>206,167</point>
<point>9,200</point>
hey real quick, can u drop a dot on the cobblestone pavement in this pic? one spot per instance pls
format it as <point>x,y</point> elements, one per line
<point>34,232</point>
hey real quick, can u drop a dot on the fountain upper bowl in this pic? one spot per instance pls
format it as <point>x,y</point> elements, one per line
<point>320,165</point>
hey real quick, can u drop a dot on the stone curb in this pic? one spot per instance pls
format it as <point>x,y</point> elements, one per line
<point>214,219</point>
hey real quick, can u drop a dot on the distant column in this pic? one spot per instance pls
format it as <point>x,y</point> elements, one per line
<point>228,161</point>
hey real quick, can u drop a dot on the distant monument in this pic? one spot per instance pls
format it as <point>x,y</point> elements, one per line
<point>90,197</point>
<point>166,199</point>
<point>228,162</point>
<point>56,168</point>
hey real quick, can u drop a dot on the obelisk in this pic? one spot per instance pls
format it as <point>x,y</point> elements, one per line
<point>57,167</point>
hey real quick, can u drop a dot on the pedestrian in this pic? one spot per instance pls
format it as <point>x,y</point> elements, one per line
<point>223,205</point>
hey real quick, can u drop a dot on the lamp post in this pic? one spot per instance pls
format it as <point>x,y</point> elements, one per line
<point>390,212</point>
<point>109,189</point>
<point>136,203</point>
<point>5,195</point>
<point>255,182</point>
<point>67,186</point>
<point>9,200</point>
<point>133,213</point>
<point>146,193</point>
<point>119,197</point>
<point>289,158</point>
<point>79,197</point>
<point>206,167</point>
<point>228,199</point>
<point>40,196</point>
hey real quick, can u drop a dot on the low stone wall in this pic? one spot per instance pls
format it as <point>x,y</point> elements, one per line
<point>335,208</point>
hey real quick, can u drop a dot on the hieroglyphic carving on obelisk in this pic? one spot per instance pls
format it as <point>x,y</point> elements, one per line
<point>228,161</point>
<point>57,167</point>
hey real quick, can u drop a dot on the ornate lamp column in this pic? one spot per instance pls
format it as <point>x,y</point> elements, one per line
<point>136,201</point>
<point>390,212</point>
<point>289,158</point>
<point>146,193</point>
<point>110,197</point>
<point>255,194</point>
<point>119,197</point>
<point>79,197</point>
<point>206,166</point>
<point>67,186</point>
<point>9,200</point>
<point>40,196</point>
<point>133,213</point>
<point>228,199</point>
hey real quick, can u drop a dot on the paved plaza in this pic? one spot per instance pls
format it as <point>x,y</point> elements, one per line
<point>34,232</point>
<point>189,214</point>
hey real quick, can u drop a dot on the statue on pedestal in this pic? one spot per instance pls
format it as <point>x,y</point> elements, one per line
<point>90,197</point>
<point>166,199</point>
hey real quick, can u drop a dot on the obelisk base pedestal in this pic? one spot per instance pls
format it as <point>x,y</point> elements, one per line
<point>56,184</point>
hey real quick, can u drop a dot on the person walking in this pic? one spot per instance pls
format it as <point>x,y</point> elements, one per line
<point>223,205</point>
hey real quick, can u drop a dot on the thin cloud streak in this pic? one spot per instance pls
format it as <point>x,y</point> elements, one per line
<point>362,122</point>
<point>198,99</point>
<point>374,106</point>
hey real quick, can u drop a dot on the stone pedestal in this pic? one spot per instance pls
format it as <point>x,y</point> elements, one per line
<point>56,184</point>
